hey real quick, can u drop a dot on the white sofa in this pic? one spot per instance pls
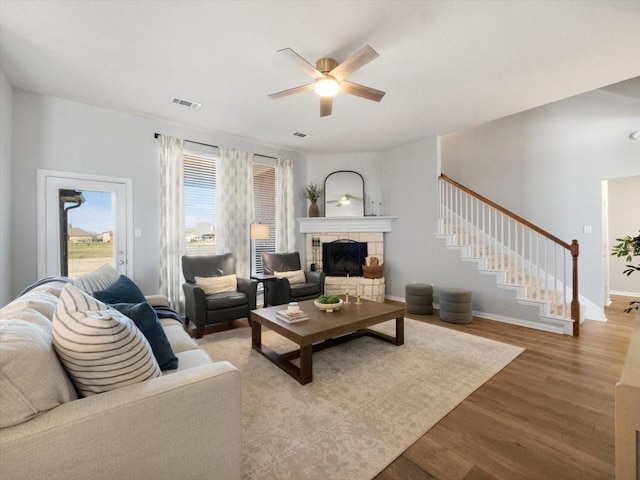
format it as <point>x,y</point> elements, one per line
<point>185,424</point>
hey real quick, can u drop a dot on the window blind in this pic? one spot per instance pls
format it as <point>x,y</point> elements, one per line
<point>200,204</point>
<point>264,197</point>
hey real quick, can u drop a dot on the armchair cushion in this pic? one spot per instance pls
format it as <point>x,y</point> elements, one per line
<point>211,285</point>
<point>294,276</point>
<point>222,300</point>
<point>280,262</point>
<point>299,290</point>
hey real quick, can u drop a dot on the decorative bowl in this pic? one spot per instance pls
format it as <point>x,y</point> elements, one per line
<point>329,307</point>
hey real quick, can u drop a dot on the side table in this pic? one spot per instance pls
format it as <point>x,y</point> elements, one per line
<point>264,278</point>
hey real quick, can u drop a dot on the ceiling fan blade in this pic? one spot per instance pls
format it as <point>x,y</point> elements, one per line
<point>353,63</point>
<point>361,91</point>
<point>326,104</point>
<point>309,69</point>
<point>292,91</point>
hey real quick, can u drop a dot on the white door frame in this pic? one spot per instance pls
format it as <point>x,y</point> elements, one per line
<point>44,223</point>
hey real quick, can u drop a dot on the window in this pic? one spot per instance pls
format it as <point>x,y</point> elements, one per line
<point>200,204</point>
<point>264,198</point>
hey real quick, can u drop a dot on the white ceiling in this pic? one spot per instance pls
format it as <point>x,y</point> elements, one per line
<point>445,65</point>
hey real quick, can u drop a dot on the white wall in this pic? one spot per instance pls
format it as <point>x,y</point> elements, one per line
<point>6,192</point>
<point>547,165</point>
<point>410,174</point>
<point>51,133</point>
<point>412,251</point>
<point>624,219</point>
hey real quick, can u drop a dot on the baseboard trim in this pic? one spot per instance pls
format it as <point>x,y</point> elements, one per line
<point>624,294</point>
<point>560,327</point>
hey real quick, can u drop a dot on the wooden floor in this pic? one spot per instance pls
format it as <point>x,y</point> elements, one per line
<point>548,415</point>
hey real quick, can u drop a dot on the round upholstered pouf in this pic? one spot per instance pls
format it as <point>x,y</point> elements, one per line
<point>455,305</point>
<point>418,298</point>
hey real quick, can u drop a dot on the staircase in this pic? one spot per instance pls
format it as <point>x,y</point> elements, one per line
<point>539,267</point>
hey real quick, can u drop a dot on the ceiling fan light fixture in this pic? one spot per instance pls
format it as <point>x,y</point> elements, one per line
<point>326,87</point>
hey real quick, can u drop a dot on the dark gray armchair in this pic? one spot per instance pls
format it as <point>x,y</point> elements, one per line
<point>205,310</point>
<point>280,291</point>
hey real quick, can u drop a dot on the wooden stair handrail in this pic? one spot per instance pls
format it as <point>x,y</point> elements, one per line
<point>507,212</point>
<point>573,247</point>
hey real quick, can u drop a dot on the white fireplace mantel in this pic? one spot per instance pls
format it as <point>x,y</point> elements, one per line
<point>345,224</point>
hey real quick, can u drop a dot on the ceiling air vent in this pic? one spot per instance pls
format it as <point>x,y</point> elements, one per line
<point>186,103</point>
<point>301,135</point>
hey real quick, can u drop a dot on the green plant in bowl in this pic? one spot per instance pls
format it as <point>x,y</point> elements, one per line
<point>327,299</point>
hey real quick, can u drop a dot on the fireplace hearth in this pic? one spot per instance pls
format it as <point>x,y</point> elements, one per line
<point>343,257</point>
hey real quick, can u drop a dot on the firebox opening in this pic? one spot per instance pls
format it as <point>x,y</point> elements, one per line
<point>343,257</point>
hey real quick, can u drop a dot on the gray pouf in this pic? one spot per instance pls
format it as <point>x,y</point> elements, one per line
<point>418,298</point>
<point>455,305</point>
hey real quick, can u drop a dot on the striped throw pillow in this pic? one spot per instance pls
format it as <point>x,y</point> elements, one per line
<point>100,279</point>
<point>100,348</point>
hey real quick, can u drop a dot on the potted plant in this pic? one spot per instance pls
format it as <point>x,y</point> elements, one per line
<point>628,247</point>
<point>312,193</point>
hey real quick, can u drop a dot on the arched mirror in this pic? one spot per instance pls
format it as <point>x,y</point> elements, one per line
<point>344,194</point>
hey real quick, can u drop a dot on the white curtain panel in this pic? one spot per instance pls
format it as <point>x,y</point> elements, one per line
<point>285,213</point>
<point>234,205</point>
<point>172,239</point>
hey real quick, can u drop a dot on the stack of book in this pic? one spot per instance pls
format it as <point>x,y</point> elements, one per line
<point>291,317</point>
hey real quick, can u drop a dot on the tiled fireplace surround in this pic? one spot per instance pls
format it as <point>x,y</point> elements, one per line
<point>360,229</point>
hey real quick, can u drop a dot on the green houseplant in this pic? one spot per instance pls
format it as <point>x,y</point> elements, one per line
<point>312,193</point>
<point>628,247</point>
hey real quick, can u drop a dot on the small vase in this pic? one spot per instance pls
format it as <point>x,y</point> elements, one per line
<point>314,210</point>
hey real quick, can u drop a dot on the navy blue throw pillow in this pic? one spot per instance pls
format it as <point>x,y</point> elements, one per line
<point>145,318</point>
<point>122,291</point>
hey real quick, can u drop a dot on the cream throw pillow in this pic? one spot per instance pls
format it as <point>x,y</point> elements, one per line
<point>100,348</point>
<point>211,285</point>
<point>31,377</point>
<point>294,276</point>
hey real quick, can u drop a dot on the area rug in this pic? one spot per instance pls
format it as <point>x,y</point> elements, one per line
<point>368,402</point>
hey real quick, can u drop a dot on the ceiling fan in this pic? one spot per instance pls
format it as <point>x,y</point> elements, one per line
<point>344,200</point>
<point>329,78</point>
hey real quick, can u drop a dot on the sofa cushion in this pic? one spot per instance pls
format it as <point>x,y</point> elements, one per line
<point>100,348</point>
<point>224,283</point>
<point>190,359</point>
<point>31,377</point>
<point>100,279</point>
<point>43,302</point>
<point>123,290</point>
<point>294,276</point>
<point>32,316</point>
<point>179,339</point>
<point>145,318</point>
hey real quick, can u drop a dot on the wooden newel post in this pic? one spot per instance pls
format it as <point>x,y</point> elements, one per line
<point>575,303</point>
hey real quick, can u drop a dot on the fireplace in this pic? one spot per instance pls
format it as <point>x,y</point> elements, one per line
<point>343,257</point>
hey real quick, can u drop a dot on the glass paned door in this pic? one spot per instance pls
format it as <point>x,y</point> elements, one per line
<point>85,224</point>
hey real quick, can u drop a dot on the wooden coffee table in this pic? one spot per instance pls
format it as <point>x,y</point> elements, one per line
<point>322,330</point>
